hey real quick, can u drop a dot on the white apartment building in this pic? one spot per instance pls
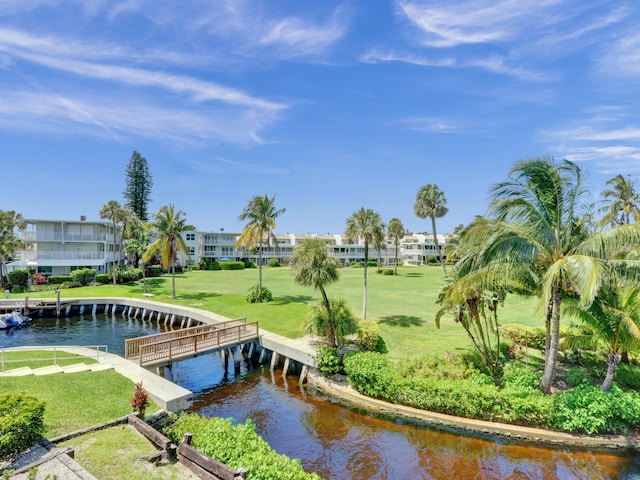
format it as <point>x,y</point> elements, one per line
<point>57,247</point>
<point>413,249</point>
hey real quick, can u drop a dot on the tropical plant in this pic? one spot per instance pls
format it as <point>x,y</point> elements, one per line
<point>261,214</point>
<point>431,202</point>
<point>612,319</point>
<point>344,322</point>
<point>538,243</point>
<point>138,186</point>
<point>620,203</point>
<point>113,211</point>
<point>395,230</point>
<point>365,224</point>
<point>9,243</point>
<point>169,225</point>
<point>137,244</point>
<point>312,266</point>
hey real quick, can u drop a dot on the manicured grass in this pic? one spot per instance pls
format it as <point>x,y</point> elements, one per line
<point>404,305</point>
<point>41,358</point>
<point>120,452</point>
<point>77,400</point>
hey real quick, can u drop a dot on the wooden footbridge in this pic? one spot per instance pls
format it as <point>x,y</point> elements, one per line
<point>165,348</point>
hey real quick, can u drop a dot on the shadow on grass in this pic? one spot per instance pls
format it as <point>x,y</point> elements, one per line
<point>402,321</point>
<point>198,296</point>
<point>286,299</point>
<point>412,274</point>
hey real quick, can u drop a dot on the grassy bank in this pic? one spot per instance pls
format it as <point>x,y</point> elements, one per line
<point>403,305</point>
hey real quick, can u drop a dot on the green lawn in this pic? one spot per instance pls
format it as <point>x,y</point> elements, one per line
<point>404,305</point>
<point>77,400</point>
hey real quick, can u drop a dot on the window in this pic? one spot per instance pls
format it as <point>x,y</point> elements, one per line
<point>190,237</point>
<point>192,251</point>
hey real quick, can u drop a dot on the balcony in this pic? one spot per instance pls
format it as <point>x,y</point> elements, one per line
<point>57,256</point>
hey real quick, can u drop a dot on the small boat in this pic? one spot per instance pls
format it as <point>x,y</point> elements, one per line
<point>14,319</point>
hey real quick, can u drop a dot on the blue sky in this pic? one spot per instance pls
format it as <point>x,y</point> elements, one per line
<point>329,105</point>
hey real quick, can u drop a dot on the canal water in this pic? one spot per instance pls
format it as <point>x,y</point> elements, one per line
<point>335,440</point>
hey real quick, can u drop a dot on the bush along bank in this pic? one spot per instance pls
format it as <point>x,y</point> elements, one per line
<point>454,386</point>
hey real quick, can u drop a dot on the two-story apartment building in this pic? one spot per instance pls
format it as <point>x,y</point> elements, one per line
<point>57,247</point>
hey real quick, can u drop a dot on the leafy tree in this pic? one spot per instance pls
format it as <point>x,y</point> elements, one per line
<point>431,202</point>
<point>312,266</point>
<point>365,224</point>
<point>9,243</point>
<point>612,319</point>
<point>539,242</point>
<point>261,214</point>
<point>344,322</point>
<point>169,225</point>
<point>138,186</point>
<point>395,230</point>
<point>621,202</point>
<point>112,210</point>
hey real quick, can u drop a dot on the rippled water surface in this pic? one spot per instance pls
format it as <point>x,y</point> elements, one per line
<point>336,441</point>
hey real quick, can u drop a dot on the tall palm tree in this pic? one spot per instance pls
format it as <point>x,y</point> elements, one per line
<point>431,202</point>
<point>621,203</point>
<point>262,213</point>
<point>538,230</point>
<point>312,266</point>
<point>365,224</point>
<point>169,225</point>
<point>614,319</point>
<point>395,230</point>
<point>9,243</point>
<point>112,210</point>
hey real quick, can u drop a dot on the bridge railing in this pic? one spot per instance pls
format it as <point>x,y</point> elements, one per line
<point>171,349</point>
<point>132,345</point>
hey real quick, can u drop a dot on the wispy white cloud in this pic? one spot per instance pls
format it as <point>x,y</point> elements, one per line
<point>623,58</point>
<point>432,124</point>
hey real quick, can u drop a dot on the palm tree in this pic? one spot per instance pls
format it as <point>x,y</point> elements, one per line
<point>365,224</point>
<point>614,319</point>
<point>395,230</point>
<point>9,243</point>
<point>113,211</point>
<point>311,266</point>
<point>538,233</point>
<point>262,213</point>
<point>622,202</point>
<point>137,244</point>
<point>344,323</point>
<point>169,225</point>
<point>431,202</point>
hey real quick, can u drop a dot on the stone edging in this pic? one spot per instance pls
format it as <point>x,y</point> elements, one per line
<point>538,436</point>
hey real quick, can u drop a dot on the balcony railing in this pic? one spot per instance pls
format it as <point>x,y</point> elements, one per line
<point>37,256</point>
<point>63,237</point>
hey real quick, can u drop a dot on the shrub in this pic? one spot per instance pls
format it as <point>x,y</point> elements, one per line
<point>140,400</point>
<point>232,265</point>
<point>588,409</point>
<point>249,264</point>
<point>103,278</point>
<point>153,271</point>
<point>369,337</point>
<point>388,271</point>
<point>628,376</point>
<point>257,295</point>
<point>40,279</point>
<point>432,259</point>
<point>273,262</point>
<point>18,278</point>
<point>371,263</point>
<point>528,337</point>
<point>238,446</point>
<point>214,266</point>
<point>84,276</point>
<point>371,374</point>
<point>203,264</point>
<point>357,264</point>
<point>329,360</point>
<point>21,422</point>
<point>577,376</point>
<point>126,274</point>
<point>59,279</point>
<point>520,378</point>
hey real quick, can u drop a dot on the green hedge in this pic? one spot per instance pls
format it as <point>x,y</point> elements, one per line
<point>18,278</point>
<point>59,279</point>
<point>153,271</point>
<point>103,278</point>
<point>232,265</point>
<point>238,446</point>
<point>21,423</point>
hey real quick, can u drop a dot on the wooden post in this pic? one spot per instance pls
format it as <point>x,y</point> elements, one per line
<point>58,302</point>
<point>303,374</point>
<point>285,367</point>
<point>26,306</point>
<point>274,360</point>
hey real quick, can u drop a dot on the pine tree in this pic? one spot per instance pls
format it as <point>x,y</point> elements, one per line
<point>139,182</point>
